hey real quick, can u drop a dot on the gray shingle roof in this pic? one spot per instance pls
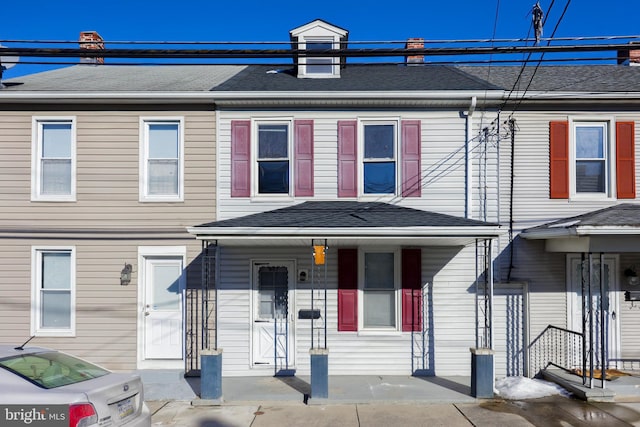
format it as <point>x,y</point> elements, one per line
<point>357,78</point>
<point>622,215</point>
<point>569,78</point>
<point>346,214</point>
<point>127,78</point>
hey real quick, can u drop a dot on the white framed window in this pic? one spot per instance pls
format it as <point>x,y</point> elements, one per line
<point>161,159</point>
<point>273,158</point>
<point>53,159</point>
<point>53,291</point>
<point>379,157</point>
<point>320,66</point>
<point>379,285</point>
<point>592,165</point>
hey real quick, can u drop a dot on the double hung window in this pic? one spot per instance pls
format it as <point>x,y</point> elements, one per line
<point>319,65</point>
<point>53,292</point>
<point>379,300</point>
<point>54,159</point>
<point>162,160</point>
<point>591,157</point>
<point>379,161</point>
<point>273,164</point>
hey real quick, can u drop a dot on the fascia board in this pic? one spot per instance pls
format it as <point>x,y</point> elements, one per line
<point>556,95</point>
<point>391,232</point>
<point>50,96</point>
<point>580,231</point>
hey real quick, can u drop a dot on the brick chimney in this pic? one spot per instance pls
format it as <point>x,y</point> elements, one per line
<point>414,43</point>
<point>91,40</point>
<point>629,56</point>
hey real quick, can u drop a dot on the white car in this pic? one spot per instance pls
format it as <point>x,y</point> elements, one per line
<point>31,377</point>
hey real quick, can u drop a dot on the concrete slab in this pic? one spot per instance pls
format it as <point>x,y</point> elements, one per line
<point>628,412</point>
<point>485,414</point>
<point>555,411</point>
<point>182,414</point>
<point>307,416</point>
<point>383,415</point>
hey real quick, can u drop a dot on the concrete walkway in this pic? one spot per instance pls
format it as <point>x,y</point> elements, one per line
<point>554,411</point>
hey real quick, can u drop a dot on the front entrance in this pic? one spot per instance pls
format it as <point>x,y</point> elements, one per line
<point>163,326</point>
<point>273,315</point>
<point>609,306</point>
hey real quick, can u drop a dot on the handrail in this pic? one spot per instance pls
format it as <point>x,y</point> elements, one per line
<point>559,347</point>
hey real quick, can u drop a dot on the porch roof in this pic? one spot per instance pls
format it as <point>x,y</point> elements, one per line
<point>346,223</point>
<point>612,229</point>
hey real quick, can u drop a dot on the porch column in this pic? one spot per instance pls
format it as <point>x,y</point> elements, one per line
<point>211,374</point>
<point>319,373</point>
<point>482,372</point>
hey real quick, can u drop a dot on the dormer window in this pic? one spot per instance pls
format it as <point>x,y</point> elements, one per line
<point>319,65</point>
<point>317,36</point>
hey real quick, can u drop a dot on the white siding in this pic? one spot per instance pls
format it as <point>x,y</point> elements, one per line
<point>443,161</point>
<point>451,323</point>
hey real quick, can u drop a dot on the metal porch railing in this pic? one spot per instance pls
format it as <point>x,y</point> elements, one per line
<point>557,347</point>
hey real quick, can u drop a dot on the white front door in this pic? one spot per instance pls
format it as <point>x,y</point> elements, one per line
<point>163,308</point>
<point>609,306</point>
<point>273,314</point>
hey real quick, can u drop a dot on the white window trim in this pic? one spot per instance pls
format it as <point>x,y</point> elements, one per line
<point>362,122</point>
<point>36,280</point>
<point>143,153</point>
<point>335,61</point>
<point>36,135</point>
<point>397,330</point>
<point>610,185</point>
<point>255,194</point>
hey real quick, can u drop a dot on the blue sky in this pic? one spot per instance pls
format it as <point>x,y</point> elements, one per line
<point>250,20</point>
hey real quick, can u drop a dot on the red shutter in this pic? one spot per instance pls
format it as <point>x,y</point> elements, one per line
<point>411,290</point>
<point>625,160</point>
<point>347,289</point>
<point>240,158</point>
<point>303,141</point>
<point>411,178</point>
<point>347,159</point>
<point>559,160</point>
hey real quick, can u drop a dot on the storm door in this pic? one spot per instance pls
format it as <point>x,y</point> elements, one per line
<point>594,307</point>
<point>273,314</point>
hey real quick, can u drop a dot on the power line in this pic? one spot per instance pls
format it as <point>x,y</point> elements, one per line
<point>282,53</point>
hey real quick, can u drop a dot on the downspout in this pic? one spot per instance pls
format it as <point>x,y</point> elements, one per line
<point>469,165</point>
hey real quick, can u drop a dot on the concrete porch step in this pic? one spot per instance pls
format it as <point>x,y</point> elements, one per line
<point>573,383</point>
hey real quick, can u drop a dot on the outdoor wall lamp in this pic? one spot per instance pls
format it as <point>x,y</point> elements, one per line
<point>125,274</point>
<point>632,276</point>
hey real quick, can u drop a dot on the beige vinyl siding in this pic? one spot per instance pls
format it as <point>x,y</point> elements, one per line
<point>107,313</point>
<point>106,224</point>
<point>452,332</point>
<point>107,173</point>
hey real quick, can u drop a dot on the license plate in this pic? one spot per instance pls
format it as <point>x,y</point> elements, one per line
<point>125,408</point>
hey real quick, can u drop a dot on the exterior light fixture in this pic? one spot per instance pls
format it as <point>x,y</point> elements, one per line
<point>125,274</point>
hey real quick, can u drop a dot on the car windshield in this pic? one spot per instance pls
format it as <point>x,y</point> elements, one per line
<point>52,369</point>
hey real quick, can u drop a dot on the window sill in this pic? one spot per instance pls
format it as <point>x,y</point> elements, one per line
<point>161,200</point>
<point>55,333</point>
<point>380,333</point>
<point>591,198</point>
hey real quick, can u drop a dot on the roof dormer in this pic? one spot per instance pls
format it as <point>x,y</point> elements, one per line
<point>318,35</point>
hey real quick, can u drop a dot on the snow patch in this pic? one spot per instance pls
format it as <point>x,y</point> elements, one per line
<point>518,388</point>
